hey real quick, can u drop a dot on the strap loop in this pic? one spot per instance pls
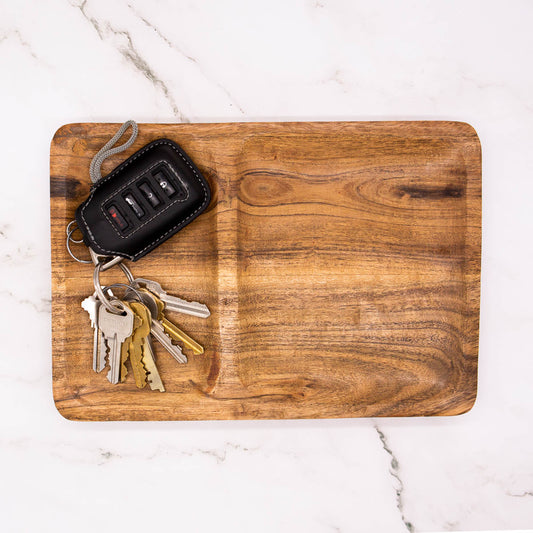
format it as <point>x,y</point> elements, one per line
<point>107,150</point>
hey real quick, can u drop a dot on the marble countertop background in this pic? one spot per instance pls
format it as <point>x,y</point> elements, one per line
<point>157,61</point>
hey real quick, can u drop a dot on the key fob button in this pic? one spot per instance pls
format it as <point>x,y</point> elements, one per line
<point>117,218</point>
<point>149,194</point>
<point>165,184</point>
<point>135,207</point>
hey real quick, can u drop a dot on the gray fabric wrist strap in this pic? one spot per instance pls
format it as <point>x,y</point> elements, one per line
<point>107,150</point>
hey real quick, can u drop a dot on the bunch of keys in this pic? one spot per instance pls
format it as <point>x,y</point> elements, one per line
<point>139,205</point>
<point>124,328</point>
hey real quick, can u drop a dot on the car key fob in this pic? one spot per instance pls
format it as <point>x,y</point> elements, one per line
<point>143,202</point>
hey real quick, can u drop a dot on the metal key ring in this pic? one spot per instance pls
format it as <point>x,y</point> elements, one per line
<point>71,253</point>
<point>127,273</point>
<point>116,307</point>
<point>124,286</point>
<point>71,231</point>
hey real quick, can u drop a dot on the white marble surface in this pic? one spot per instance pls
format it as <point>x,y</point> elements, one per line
<point>168,61</point>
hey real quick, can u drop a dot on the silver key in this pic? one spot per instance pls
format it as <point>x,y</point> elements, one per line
<point>173,303</point>
<point>115,329</point>
<point>91,305</point>
<point>102,346</point>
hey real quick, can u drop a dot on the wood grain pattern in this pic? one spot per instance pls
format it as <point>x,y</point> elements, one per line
<point>341,263</point>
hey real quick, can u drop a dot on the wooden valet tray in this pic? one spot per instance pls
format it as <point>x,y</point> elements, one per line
<point>340,262</point>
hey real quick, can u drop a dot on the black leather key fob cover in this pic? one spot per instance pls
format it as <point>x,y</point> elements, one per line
<point>143,202</point>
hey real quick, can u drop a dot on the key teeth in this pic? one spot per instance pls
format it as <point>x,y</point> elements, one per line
<point>180,355</point>
<point>180,350</point>
<point>123,372</point>
<point>106,359</point>
<point>102,366</point>
<point>146,373</point>
<point>150,383</point>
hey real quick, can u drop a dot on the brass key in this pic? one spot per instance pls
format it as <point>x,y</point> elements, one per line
<point>124,356</point>
<point>125,349</point>
<point>154,379</point>
<point>136,344</point>
<point>171,329</point>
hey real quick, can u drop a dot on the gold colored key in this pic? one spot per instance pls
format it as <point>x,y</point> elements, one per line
<point>125,349</point>
<point>153,377</point>
<point>124,355</point>
<point>136,344</point>
<point>172,330</point>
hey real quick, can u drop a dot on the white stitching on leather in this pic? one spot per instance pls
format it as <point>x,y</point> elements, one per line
<point>112,174</point>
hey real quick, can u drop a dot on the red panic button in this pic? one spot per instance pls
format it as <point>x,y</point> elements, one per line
<point>117,218</point>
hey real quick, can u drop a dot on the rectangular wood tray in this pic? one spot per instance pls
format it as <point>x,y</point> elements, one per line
<point>340,261</point>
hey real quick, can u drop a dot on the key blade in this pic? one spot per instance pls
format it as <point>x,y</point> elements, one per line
<point>96,348</point>
<point>174,303</point>
<point>143,321</point>
<point>164,340</point>
<point>114,358</point>
<point>154,379</point>
<point>178,305</point>
<point>91,305</point>
<point>102,352</point>
<point>178,335</point>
